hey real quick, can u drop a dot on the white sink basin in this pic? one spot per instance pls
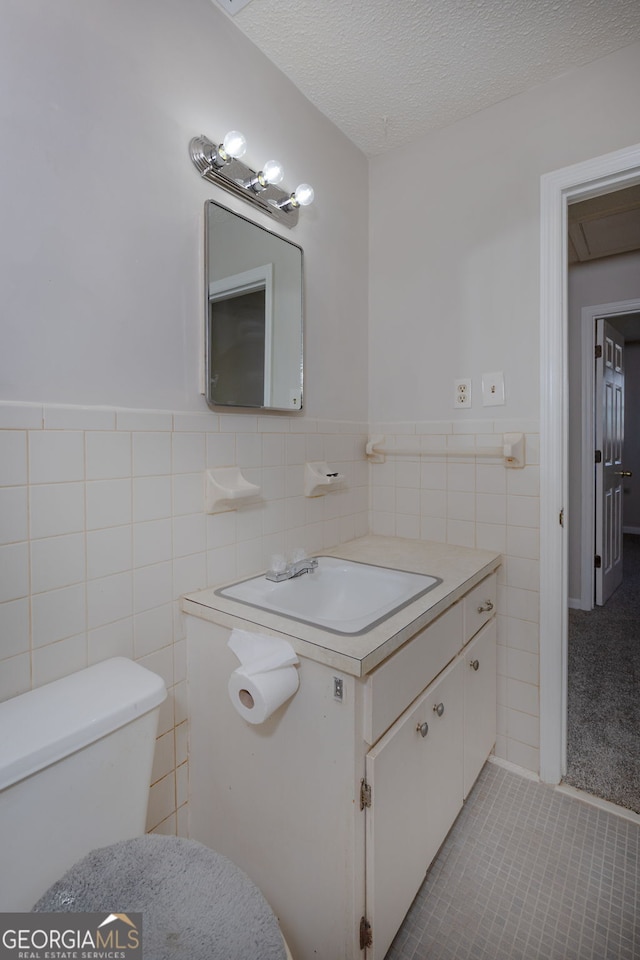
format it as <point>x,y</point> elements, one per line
<point>342,596</point>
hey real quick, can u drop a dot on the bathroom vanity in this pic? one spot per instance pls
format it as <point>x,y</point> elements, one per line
<point>337,804</point>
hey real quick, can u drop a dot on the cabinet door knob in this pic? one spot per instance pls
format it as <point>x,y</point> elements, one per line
<point>423,729</point>
<point>474,664</point>
<point>439,709</point>
<point>486,606</point>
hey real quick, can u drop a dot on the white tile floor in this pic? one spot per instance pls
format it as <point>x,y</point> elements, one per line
<point>528,873</point>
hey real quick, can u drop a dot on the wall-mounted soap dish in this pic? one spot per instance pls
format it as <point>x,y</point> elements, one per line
<point>319,478</point>
<point>227,489</point>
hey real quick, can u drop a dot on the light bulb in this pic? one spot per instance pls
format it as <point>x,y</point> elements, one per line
<point>233,145</point>
<point>272,172</point>
<point>303,195</point>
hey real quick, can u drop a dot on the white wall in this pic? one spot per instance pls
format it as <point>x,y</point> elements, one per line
<point>102,209</point>
<point>603,281</point>
<point>455,226</point>
<point>100,253</point>
<point>104,438</point>
<point>454,292</point>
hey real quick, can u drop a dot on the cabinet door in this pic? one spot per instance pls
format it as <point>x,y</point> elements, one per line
<point>479,605</point>
<point>478,661</point>
<point>445,759</point>
<point>416,786</point>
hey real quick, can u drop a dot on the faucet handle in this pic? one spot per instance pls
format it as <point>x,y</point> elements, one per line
<point>278,563</point>
<point>297,554</point>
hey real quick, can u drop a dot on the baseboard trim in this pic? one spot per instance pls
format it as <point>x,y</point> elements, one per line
<point>514,768</point>
<point>598,802</point>
<point>573,792</point>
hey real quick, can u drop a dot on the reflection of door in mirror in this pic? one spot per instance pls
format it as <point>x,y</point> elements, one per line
<point>241,321</point>
<point>237,350</point>
<point>253,338</point>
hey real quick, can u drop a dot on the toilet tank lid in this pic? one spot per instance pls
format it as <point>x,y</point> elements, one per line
<point>46,724</point>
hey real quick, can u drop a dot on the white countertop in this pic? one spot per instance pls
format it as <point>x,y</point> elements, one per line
<point>460,569</point>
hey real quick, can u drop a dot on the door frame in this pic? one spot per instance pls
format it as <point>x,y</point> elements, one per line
<point>578,182</point>
<point>587,523</point>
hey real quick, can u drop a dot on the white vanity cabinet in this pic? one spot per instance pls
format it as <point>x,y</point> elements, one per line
<point>287,799</point>
<point>421,770</point>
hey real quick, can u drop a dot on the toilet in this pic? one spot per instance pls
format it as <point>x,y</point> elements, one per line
<point>75,768</point>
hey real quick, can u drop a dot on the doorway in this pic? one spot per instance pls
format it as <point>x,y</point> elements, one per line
<point>603,719</point>
<point>625,317</point>
<point>589,179</point>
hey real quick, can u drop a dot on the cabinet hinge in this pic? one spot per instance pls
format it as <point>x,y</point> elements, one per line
<point>598,456</point>
<point>598,351</point>
<point>366,936</point>
<point>597,561</point>
<point>365,794</point>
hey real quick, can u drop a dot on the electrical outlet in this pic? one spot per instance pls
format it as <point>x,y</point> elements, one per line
<point>462,393</point>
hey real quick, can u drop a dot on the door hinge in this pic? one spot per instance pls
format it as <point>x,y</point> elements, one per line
<point>365,794</point>
<point>561,517</point>
<point>597,561</point>
<point>598,456</point>
<point>598,351</point>
<point>366,936</point>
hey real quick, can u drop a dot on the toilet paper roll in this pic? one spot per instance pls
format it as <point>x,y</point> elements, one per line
<point>257,696</point>
<point>258,652</point>
<point>267,677</point>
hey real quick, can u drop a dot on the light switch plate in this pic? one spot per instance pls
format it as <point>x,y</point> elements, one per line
<point>493,389</point>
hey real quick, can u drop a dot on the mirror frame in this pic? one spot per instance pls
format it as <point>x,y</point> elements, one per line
<point>241,279</point>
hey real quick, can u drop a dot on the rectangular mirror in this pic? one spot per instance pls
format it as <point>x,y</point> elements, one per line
<point>253,322</point>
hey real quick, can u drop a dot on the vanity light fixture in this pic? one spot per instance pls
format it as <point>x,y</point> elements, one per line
<point>222,165</point>
<point>232,147</point>
<point>271,173</point>
<point>302,196</point>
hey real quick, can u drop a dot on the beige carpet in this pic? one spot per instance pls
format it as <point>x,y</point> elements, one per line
<point>603,733</point>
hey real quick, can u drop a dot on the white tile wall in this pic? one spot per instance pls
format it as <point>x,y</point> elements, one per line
<point>102,529</point>
<point>55,456</point>
<point>56,508</point>
<point>14,508</point>
<point>477,503</point>
<point>57,562</point>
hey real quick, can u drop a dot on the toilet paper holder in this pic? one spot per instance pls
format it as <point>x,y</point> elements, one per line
<point>266,678</point>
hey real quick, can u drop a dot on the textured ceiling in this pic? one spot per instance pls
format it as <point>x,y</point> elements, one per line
<point>386,72</point>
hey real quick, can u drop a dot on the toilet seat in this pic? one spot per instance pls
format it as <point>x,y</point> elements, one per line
<point>195,903</point>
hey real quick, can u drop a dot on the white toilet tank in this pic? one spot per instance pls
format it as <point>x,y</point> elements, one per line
<point>75,768</point>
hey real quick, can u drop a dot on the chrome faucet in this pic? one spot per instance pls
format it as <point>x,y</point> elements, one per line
<point>294,569</point>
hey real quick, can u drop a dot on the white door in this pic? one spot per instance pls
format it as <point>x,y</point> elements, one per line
<point>609,439</point>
